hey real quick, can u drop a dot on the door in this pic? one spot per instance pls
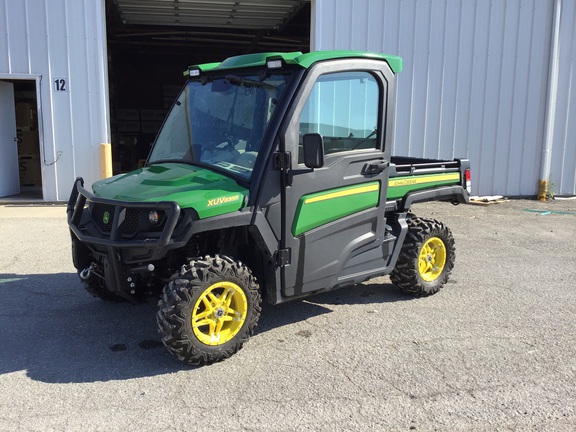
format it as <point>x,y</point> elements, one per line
<point>9,175</point>
<point>335,224</point>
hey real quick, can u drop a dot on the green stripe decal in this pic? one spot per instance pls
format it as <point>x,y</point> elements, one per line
<point>320,208</point>
<point>400,186</point>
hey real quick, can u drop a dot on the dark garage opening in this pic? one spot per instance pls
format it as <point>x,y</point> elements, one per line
<point>151,43</point>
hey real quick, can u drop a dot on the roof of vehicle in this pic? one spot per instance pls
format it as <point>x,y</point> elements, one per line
<point>297,58</point>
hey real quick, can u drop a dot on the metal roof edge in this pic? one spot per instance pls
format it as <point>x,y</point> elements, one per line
<point>297,58</point>
<point>306,60</point>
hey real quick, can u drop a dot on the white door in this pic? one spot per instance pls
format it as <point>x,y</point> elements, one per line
<point>9,175</point>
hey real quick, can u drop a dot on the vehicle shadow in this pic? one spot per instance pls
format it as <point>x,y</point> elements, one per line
<point>274,316</point>
<point>58,333</point>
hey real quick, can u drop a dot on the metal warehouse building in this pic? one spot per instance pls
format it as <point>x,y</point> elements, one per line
<point>491,80</point>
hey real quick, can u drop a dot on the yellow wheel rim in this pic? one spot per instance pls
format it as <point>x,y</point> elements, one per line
<point>219,313</point>
<point>432,259</point>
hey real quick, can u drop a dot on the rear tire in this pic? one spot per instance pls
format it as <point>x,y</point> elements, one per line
<point>209,310</point>
<point>426,259</point>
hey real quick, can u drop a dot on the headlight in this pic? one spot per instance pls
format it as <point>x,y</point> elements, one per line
<point>154,218</point>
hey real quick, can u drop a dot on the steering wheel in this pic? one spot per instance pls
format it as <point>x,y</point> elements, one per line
<point>221,150</point>
<point>227,143</point>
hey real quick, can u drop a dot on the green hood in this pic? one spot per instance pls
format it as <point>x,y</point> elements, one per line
<point>207,192</point>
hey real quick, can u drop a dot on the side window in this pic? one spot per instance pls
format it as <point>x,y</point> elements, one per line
<point>343,108</point>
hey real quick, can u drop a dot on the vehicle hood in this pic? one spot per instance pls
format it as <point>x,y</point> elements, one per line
<point>207,192</point>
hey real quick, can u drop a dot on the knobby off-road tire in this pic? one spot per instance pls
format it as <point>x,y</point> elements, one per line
<point>426,258</point>
<point>209,310</point>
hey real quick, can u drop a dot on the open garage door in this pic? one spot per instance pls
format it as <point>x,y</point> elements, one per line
<point>254,14</point>
<point>151,42</point>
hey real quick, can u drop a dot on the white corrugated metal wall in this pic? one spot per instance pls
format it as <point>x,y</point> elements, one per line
<point>61,39</point>
<point>474,84</point>
<point>563,170</point>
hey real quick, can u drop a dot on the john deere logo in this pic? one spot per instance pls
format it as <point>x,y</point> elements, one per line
<point>106,217</point>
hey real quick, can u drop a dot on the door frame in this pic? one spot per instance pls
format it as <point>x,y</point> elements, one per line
<point>289,133</point>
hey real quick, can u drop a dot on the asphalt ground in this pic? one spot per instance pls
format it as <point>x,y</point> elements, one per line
<point>494,350</point>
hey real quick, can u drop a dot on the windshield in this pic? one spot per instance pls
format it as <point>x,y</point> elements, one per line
<point>220,124</point>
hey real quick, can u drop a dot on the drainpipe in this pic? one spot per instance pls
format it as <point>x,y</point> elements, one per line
<point>551,104</point>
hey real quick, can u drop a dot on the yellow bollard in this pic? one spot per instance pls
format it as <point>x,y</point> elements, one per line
<point>105,160</point>
<point>542,190</point>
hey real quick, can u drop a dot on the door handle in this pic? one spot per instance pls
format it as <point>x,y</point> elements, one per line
<point>375,167</point>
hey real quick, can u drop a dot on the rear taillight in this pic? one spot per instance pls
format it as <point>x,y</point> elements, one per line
<point>468,178</point>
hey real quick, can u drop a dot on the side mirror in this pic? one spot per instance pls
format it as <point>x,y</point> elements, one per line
<point>313,144</point>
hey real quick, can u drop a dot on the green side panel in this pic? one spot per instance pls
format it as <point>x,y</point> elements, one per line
<point>207,192</point>
<point>400,186</point>
<point>320,208</point>
<point>303,60</point>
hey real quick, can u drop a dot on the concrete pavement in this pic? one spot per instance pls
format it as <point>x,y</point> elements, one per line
<point>494,350</point>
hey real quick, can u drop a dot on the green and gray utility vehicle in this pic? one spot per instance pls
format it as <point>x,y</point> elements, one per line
<point>270,178</point>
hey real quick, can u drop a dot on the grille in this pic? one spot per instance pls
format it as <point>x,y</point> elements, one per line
<point>130,224</point>
<point>103,216</point>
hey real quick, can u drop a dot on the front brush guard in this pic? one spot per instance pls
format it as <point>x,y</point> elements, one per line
<point>76,206</point>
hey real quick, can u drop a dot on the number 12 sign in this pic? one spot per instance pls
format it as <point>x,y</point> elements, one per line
<point>60,84</point>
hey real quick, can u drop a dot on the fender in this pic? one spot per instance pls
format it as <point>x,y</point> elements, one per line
<point>453,194</point>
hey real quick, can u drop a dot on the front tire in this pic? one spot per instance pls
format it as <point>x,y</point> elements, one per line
<point>209,310</point>
<point>426,259</point>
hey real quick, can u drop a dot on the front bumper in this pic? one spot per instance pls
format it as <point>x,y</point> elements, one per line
<point>114,240</point>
